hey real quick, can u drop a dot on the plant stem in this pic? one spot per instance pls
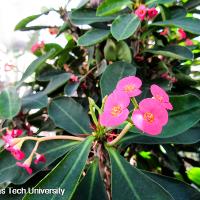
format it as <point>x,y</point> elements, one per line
<point>58,137</point>
<point>133,100</point>
<point>122,133</point>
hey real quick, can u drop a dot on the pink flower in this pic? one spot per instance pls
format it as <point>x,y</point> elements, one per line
<point>8,140</point>
<point>25,166</point>
<point>37,46</point>
<point>182,34</point>
<point>188,42</point>
<point>16,132</point>
<point>39,158</point>
<point>152,12</point>
<point>141,12</point>
<point>150,117</point>
<point>115,109</point>
<point>16,152</point>
<point>74,78</point>
<point>130,85</point>
<point>161,96</point>
<point>165,31</point>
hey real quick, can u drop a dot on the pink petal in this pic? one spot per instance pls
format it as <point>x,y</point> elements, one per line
<point>108,120</point>
<point>167,105</point>
<point>156,90</point>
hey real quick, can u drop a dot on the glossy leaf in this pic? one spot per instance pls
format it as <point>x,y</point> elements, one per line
<point>189,24</point>
<point>22,25</point>
<point>71,87</point>
<point>109,7</point>
<point>52,150</point>
<point>10,103</point>
<point>87,16</point>
<point>35,65</point>
<point>113,74</point>
<point>91,187</point>
<point>93,36</point>
<point>150,2</point>
<point>133,183</point>
<point>56,82</point>
<point>173,51</point>
<point>66,174</point>
<point>124,26</point>
<point>178,189</point>
<point>33,101</point>
<point>69,115</point>
<point>194,175</point>
<point>191,136</point>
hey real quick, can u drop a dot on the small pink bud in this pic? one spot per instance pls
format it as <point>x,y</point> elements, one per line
<point>152,12</point>
<point>182,34</point>
<point>39,158</point>
<point>16,152</point>
<point>25,166</point>
<point>16,132</point>
<point>188,42</point>
<point>141,12</point>
<point>165,31</point>
<point>74,78</point>
<point>37,46</point>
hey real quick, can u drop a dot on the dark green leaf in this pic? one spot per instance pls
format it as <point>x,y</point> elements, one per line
<point>178,189</point>
<point>189,24</point>
<point>132,182</point>
<point>69,115</point>
<point>66,174</point>
<point>173,51</point>
<point>91,186</point>
<point>87,16</point>
<point>71,87</point>
<point>56,82</point>
<point>124,26</point>
<point>113,74</point>
<point>153,2</point>
<point>109,7</point>
<point>93,36</point>
<point>191,4</point>
<point>124,52</point>
<point>10,103</point>
<point>194,175</point>
<point>52,150</point>
<point>35,64</point>
<point>33,101</point>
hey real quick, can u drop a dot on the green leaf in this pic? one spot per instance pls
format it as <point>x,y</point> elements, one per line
<point>35,65</point>
<point>33,101</point>
<point>150,2</point>
<point>194,175</point>
<point>56,82</point>
<point>87,16</point>
<point>71,87</point>
<point>124,26</point>
<point>191,4</point>
<point>191,136</point>
<point>178,189</point>
<point>132,182</point>
<point>66,174</point>
<point>109,7</point>
<point>173,51</point>
<point>93,36</point>
<point>91,187</point>
<point>81,3</point>
<point>113,74</point>
<point>22,25</point>
<point>69,115</point>
<point>10,103</point>
<point>189,24</point>
<point>124,52</point>
<point>52,150</point>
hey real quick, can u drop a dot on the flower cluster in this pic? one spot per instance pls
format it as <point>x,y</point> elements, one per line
<point>149,116</point>
<point>143,12</point>
<point>13,144</point>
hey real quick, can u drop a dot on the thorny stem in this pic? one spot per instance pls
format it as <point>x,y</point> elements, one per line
<point>122,133</point>
<point>133,100</point>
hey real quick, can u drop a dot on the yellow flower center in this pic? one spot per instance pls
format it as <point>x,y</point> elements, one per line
<point>149,117</point>
<point>159,98</point>
<point>116,110</point>
<point>129,88</point>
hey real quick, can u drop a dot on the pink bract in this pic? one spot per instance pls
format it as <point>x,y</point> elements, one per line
<point>25,166</point>
<point>188,42</point>
<point>141,12</point>
<point>115,109</point>
<point>150,117</point>
<point>39,158</point>
<point>152,12</point>
<point>161,96</point>
<point>130,85</point>
<point>17,153</point>
<point>182,34</point>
